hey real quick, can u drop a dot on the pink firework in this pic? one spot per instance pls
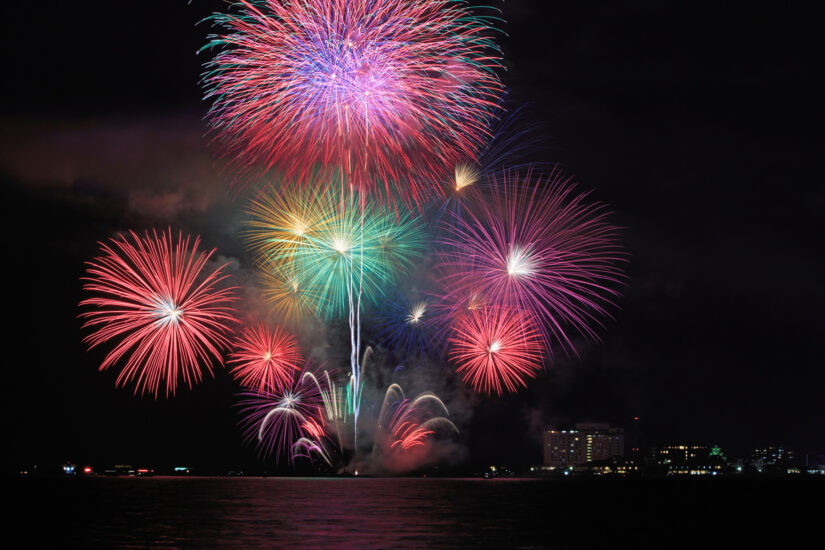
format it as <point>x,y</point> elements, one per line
<point>265,358</point>
<point>538,246</point>
<point>496,349</point>
<point>383,90</point>
<point>155,299</point>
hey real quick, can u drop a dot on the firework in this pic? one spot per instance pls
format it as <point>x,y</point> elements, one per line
<point>496,349</point>
<point>155,299</point>
<point>283,288</point>
<point>406,325</point>
<point>405,424</point>
<point>314,247</point>
<point>278,420</point>
<point>389,90</point>
<point>284,219</point>
<point>539,247</point>
<point>265,358</point>
<point>450,297</point>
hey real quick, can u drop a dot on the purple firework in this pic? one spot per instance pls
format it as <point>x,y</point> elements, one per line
<point>537,245</point>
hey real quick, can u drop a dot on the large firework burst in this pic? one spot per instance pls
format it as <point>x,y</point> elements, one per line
<point>390,91</point>
<point>154,297</point>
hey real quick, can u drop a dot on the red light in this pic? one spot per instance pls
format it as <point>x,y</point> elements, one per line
<point>635,418</point>
<point>87,470</point>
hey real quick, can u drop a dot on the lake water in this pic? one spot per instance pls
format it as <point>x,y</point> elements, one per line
<point>192,512</point>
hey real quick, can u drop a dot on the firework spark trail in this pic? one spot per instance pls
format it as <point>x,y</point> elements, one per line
<point>496,349</point>
<point>537,246</point>
<point>333,400</point>
<point>392,90</point>
<point>265,358</point>
<point>276,420</point>
<point>405,423</point>
<point>154,298</point>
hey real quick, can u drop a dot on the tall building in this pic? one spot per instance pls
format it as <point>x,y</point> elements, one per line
<point>586,443</point>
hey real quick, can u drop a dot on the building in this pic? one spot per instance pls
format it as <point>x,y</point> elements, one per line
<point>583,444</point>
<point>774,455</point>
<point>687,458</point>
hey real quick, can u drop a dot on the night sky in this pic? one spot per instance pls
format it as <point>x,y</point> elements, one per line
<point>700,124</point>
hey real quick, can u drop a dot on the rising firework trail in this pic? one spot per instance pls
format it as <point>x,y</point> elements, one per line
<point>155,300</point>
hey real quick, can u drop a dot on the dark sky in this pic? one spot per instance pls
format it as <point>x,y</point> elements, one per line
<point>701,124</point>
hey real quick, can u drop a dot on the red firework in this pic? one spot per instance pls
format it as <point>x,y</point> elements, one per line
<point>496,349</point>
<point>384,90</point>
<point>265,359</point>
<point>160,305</point>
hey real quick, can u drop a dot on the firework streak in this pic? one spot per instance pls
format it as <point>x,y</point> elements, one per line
<point>278,420</point>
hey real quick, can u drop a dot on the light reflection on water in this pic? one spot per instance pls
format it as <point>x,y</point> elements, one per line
<point>375,513</point>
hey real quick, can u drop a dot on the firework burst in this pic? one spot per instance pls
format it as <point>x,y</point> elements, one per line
<point>155,299</point>
<point>265,358</point>
<point>339,243</point>
<point>538,247</point>
<point>406,325</point>
<point>275,421</point>
<point>496,349</point>
<point>388,90</point>
<point>406,424</point>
